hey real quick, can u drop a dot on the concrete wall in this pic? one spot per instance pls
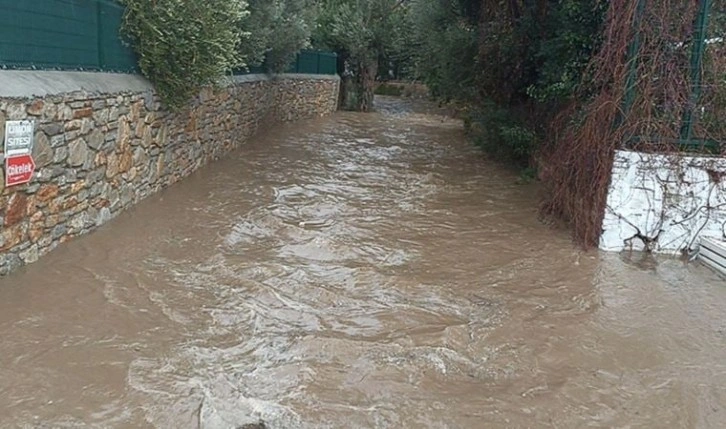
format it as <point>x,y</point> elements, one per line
<point>664,202</point>
<point>103,142</point>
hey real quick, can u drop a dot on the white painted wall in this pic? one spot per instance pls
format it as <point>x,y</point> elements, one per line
<point>672,200</point>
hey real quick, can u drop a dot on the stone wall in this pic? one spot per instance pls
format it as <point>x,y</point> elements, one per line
<point>664,203</point>
<point>98,153</point>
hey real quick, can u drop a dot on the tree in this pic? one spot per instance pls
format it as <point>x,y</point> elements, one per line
<point>360,31</point>
<point>445,47</point>
<point>278,30</point>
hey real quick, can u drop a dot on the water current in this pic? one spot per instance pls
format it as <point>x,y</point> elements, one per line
<point>358,271</point>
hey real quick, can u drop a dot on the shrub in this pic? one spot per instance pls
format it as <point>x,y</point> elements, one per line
<point>389,89</point>
<point>497,131</point>
<point>185,44</point>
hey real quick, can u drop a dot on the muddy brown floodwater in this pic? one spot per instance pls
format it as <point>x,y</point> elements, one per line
<point>359,271</point>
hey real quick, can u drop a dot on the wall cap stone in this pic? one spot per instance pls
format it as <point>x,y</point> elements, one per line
<point>33,83</point>
<point>290,76</point>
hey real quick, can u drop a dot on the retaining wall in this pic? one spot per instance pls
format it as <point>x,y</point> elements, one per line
<point>103,142</point>
<point>664,203</point>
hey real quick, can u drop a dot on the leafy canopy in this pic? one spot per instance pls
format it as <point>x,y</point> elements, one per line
<point>360,31</point>
<point>277,29</point>
<point>360,27</point>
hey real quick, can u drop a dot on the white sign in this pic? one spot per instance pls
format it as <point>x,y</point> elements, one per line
<point>18,138</point>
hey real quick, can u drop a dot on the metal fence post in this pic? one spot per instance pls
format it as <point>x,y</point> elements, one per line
<point>699,44</point>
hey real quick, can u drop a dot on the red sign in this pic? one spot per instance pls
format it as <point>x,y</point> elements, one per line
<point>18,169</point>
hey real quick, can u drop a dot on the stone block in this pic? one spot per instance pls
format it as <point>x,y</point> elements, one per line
<point>58,141</point>
<point>85,112</point>
<point>101,116</point>
<point>42,150</point>
<point>104,215</point>
<point>60,154</point>
<point>36,107</point>
<point>30,255</point>
<point>51,129</point>
<point>95,139</point>
<point>12,236</point>
<point>16,112</point>
<point>47,192</point>
<point>2,128</point>
<point>78,153</point>
<point>9,262</point>
<point>16,208</point>
<point>59,231</point>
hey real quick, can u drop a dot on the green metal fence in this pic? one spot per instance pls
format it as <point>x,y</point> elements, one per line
<point>306,62</point>
<point>313,62</point>
<point>63,34</point>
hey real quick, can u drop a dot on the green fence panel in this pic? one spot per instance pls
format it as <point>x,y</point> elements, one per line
<point>306,62</point>
<point>328,63</point>
<point>113,53</point>
<point>63,34</point>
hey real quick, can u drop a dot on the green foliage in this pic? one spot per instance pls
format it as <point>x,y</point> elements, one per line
<point>445,48</point>
<point>514,64</point>
<point>501,134</point>
<point>183,44</point>
<point>397,61</point>
<point>360,31</point>
<point>538,53</point>
<point>278,29</point>
<point>389,89</point>
<point>362,28</point>
<point>527,175</point>
<point>572,36</point>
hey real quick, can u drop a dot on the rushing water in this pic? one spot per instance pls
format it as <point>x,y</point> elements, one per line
<point>360,271</point>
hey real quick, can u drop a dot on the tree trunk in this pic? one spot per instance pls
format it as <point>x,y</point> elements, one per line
<point>365,84</point>
<point>344,80</point>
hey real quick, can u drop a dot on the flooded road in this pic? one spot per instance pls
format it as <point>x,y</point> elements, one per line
<point>360,271</point>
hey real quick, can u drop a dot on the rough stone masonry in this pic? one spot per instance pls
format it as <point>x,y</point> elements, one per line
<point>97,153</point>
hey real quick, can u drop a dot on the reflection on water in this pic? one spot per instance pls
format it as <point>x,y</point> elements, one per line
<point>360,271</point>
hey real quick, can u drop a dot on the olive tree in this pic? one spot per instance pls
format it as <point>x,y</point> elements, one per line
<point>278,30</point>
<point>444,46</point>
<point>360,31</point>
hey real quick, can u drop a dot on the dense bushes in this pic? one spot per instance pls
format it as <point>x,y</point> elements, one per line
<point>446,47</point>
<point>183,45</point>
<point>510,66</point>
<point>501,133</point>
